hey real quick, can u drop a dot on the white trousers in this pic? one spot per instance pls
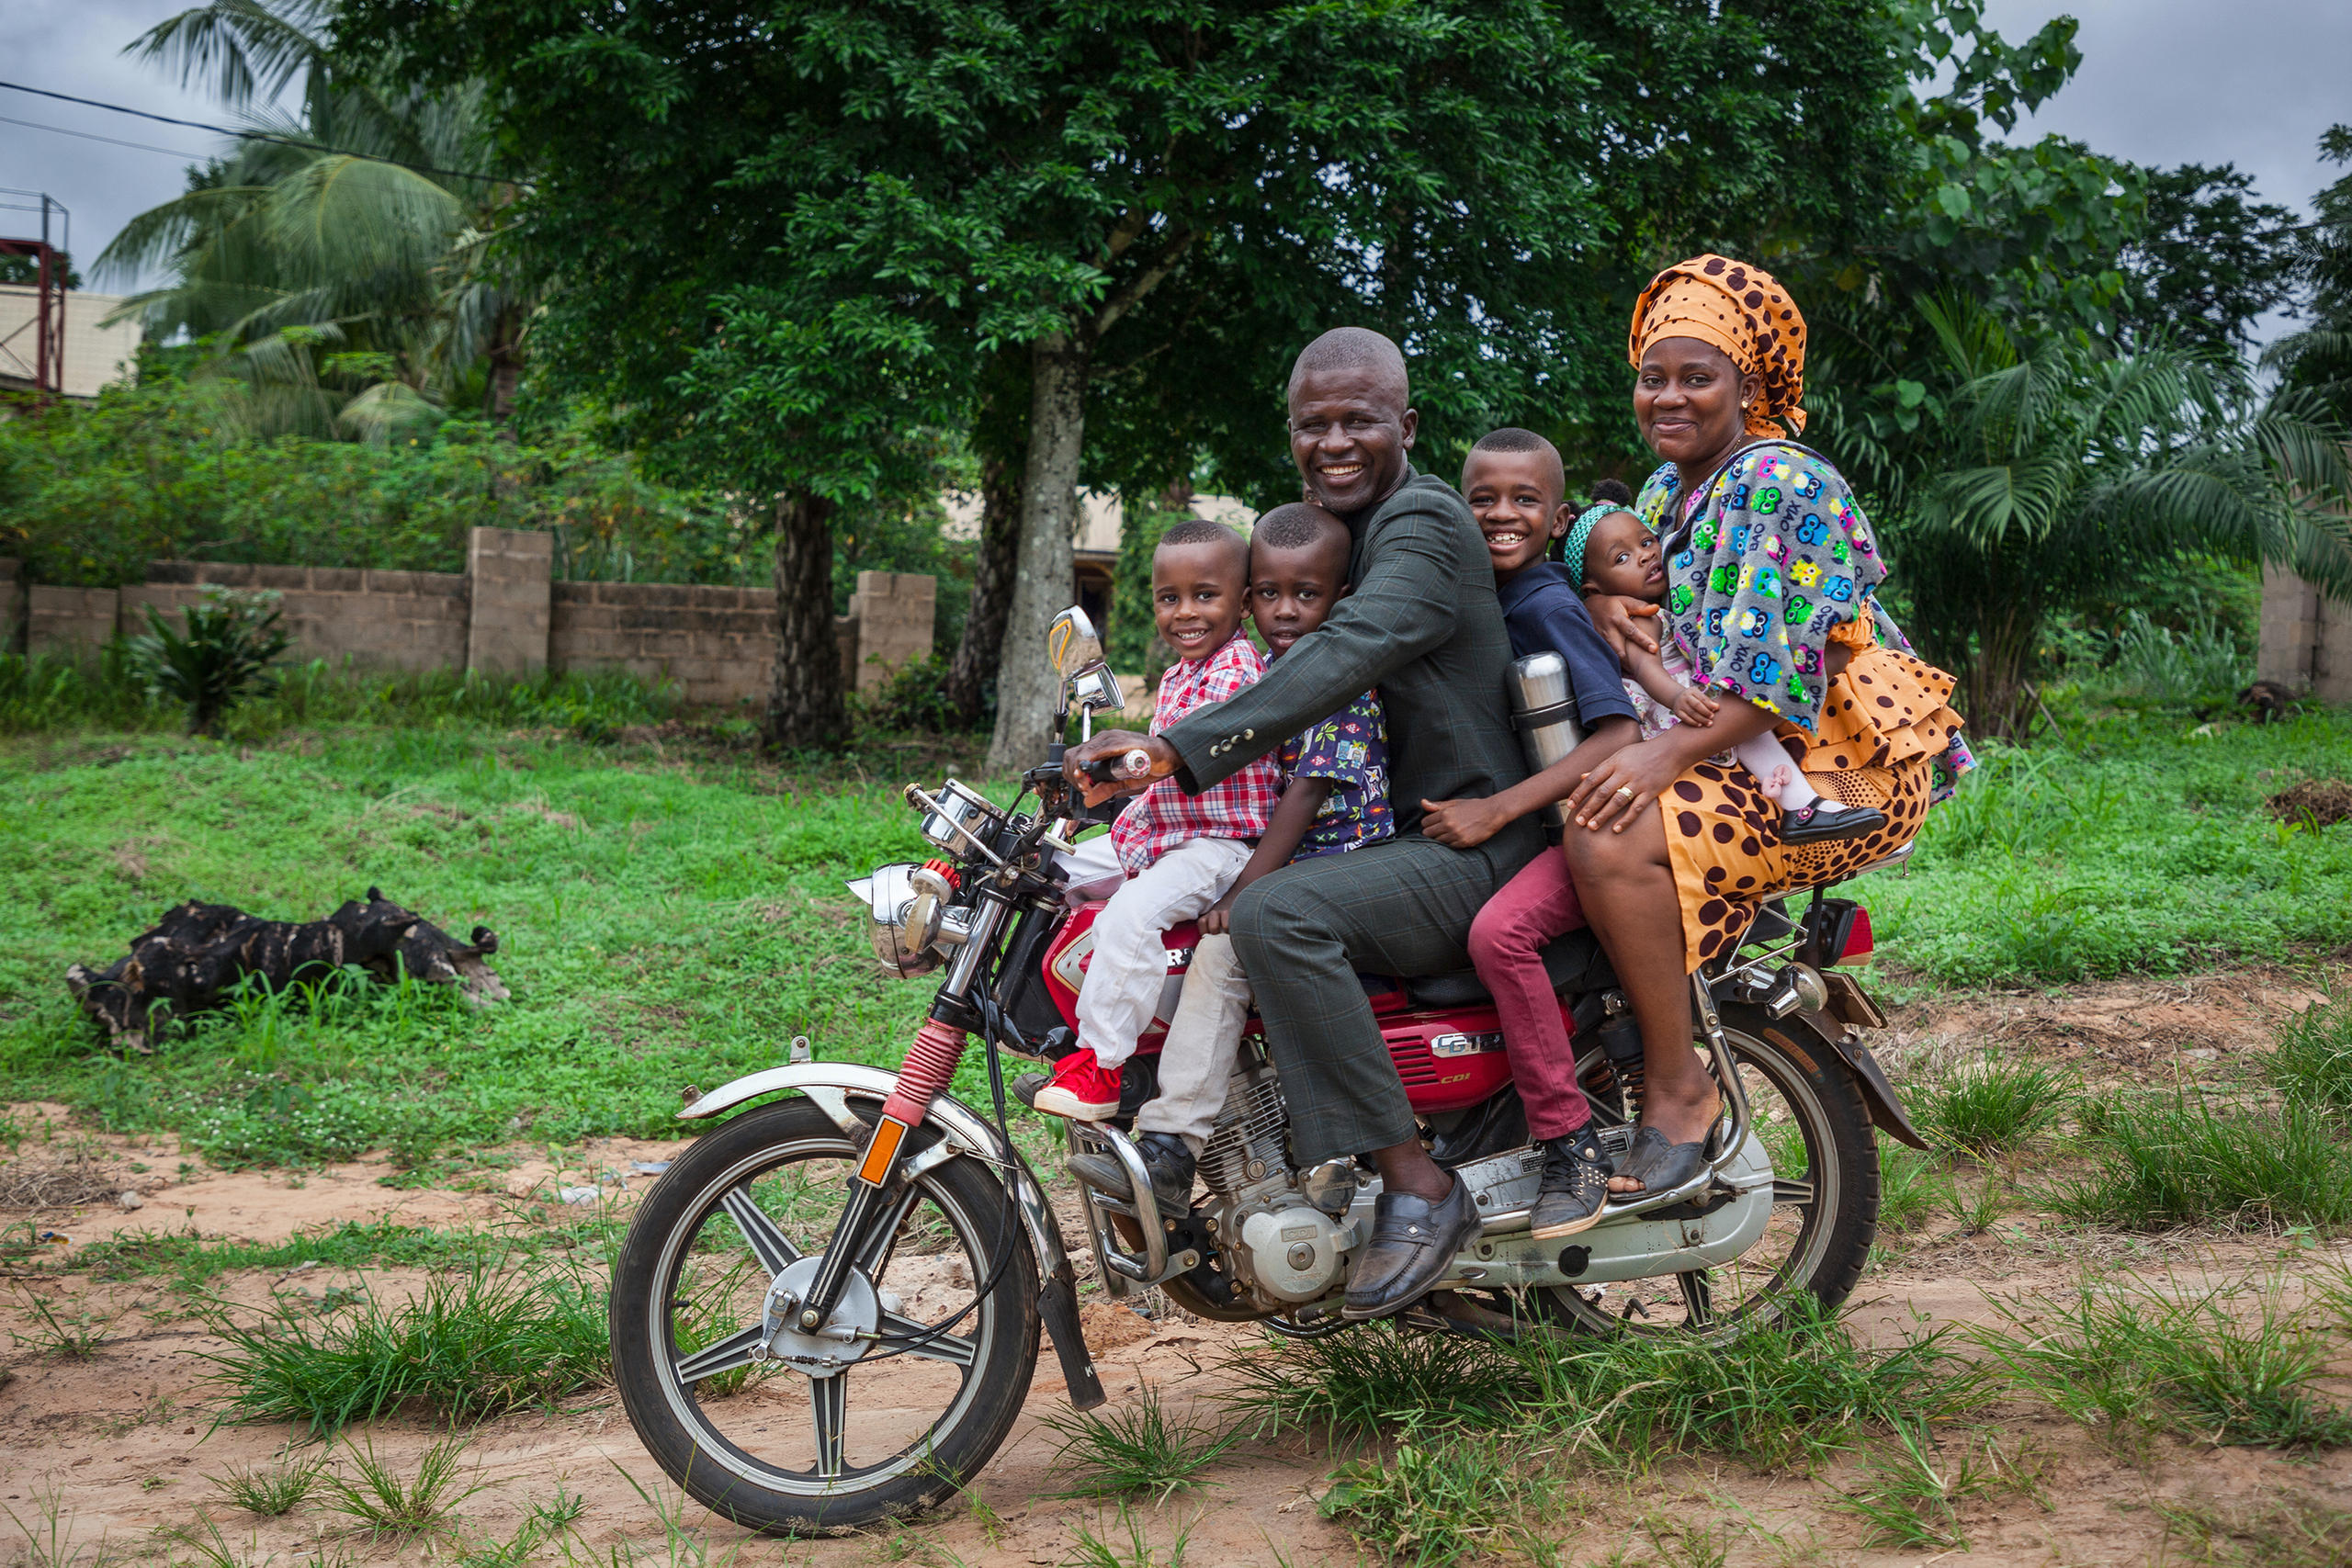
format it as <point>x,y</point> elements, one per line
<point>1129,968</point>
<point>1204,1042</point>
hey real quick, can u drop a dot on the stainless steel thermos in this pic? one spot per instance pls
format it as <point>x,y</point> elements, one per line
<point>1545,711</point>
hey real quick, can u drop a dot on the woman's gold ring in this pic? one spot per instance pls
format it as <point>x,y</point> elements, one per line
<point>1625,791</point>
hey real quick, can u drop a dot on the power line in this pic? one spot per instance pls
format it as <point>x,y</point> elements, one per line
<point>260,136</point>
<point>109,141</point>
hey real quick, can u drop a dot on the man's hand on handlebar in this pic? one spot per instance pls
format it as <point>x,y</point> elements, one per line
<point>1087,767</point>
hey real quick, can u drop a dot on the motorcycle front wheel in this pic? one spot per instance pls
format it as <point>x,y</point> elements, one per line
<point>894,1403</point>
<point>1812,1119</point>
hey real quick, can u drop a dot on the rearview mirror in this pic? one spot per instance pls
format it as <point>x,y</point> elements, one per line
<point>1071,643</point>
<point>1096,690</point>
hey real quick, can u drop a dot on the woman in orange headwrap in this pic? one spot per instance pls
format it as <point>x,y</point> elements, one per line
<point>1771,570</point>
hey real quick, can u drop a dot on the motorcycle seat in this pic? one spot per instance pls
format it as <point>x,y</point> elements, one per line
<point>1574,961</point>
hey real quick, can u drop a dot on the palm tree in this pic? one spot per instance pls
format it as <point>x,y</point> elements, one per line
<point>2075,467</point>
<point>352,288</point>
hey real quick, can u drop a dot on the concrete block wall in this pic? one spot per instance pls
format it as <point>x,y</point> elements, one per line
<point>893,611</point>
<point>386,620</point>
<point>507,632</point>
<point>2306,638</point>
<point>503,616</point>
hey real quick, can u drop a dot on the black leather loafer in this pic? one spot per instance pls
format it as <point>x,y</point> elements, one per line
<point>1658,1166</point>
<point>1413,1241</point>
<point>1165,1155</point>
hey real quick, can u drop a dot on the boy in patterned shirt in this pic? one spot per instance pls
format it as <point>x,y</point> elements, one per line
<point>1182,851</point>
<point>1334,799</point>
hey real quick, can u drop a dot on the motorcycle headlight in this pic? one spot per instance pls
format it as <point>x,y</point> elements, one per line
<point>903,920</point>
<point>958,807</point>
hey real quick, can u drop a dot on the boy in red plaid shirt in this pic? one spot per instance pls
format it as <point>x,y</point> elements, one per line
<point>1182,851</point>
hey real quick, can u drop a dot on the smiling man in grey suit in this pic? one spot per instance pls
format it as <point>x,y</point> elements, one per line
<point>1422,625</point>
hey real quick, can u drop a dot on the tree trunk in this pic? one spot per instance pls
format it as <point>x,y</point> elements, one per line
<point>992,567</point>
<point>1995,675</point>
<point>1026,687</point>
<point>805,691</point>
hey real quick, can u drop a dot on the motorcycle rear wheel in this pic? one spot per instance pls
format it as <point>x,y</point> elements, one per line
<point>1813,1120</point>
<point>911,1417</point>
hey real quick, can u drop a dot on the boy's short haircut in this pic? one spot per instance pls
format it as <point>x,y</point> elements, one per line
<point>1201,531</point>
<point>1297,526</point>
<point>1510,438</point>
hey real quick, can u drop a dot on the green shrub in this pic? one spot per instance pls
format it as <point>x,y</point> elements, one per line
<point>1991,1105</point>
<point>232,639</point>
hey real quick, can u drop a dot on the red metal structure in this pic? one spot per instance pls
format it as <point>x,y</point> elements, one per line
<point>42,361</point>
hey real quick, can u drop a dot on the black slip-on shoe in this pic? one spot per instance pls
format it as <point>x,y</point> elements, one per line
<point>1167,1159</point>
<point>1825,820</point>
<point>1658,1166</point>
<point>1413,1241</point>
<point>1576,1184</point>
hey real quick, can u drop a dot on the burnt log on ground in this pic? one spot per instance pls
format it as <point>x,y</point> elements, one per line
<point>194,959</point>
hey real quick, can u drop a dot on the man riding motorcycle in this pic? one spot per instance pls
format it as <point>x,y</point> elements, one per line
<point>1422,625</point>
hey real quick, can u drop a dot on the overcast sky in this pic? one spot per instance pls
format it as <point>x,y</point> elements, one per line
<point>2245,81</point>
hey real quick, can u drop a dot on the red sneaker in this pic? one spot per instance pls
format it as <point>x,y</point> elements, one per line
<point>1081,1088</point>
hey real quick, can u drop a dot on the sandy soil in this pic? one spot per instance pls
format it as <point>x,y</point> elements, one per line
<point>119,1447</point>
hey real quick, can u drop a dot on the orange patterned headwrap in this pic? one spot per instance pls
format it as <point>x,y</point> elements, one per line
<point>1744,311</point>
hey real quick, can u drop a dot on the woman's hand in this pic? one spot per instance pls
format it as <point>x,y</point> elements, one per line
<point>1619,621</point>
<point>1615,794</point>
<point>1694,707</point>
<point>1113,743</point>
<point>1218,919</point>
<point>1462,824</point>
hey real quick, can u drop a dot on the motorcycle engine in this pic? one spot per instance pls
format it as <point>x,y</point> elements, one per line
<point>1277,1245</point>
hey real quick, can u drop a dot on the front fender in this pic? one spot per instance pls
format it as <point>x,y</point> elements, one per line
<point>831,1085</point>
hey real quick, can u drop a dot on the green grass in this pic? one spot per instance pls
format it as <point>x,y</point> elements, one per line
<point>192,1260</point>
<point>2159,1161</point>
<point>2144,849</point>
<point>469,1348</point>
<point>1794,1394</point>
<point>671,910</point>
<point>1992,1105</point>
<point>2134,1356</point>
<point>664,920</point>
<point>270,1493</point>
<point>2312,1064</point>
<point>1140,1446</point>
<point>1436,1502</point>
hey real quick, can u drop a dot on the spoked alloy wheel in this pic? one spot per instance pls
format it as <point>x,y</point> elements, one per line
<point>893,1405</point>
<point>1825,1200</point>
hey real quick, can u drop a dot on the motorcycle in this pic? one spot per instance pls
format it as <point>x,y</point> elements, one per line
<point>860,1227</point>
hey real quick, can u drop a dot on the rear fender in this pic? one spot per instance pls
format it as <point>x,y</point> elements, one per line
<point>1886,1111</point>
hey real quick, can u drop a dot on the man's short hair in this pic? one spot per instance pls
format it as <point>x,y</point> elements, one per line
<point>1510,438</point>
<point>1347,348</point>
<point>1299,525</point>
<point>1202,531</point>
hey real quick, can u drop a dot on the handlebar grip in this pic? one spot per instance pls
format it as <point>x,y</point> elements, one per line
<point>1107,769</point>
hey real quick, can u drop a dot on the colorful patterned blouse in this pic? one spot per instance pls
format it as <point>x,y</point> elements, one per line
<point>1776,555</point>
<point>1351,749</point>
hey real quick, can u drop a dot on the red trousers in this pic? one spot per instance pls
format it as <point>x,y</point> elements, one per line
<point>1537,905</point>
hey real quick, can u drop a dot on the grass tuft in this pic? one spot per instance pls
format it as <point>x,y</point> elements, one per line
<point>2293,1532</point>
<point>1992,1105</point>
<point>1796,1391</point>
<point>1434,1502</point>
<point>279,1490</point>
<point>1138,1447</point>
<point>73,1336</point>
<point>1909,1495</point>
<point>2311,1065</point>
<point>2132,1357</point>
<point>469,1349</point>
<point>2178,1161</point>
<point>1107,1550</point>
<point>388,1506</point>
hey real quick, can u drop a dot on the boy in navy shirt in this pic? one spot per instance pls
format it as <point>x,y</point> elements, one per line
<point>1514,483</point>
